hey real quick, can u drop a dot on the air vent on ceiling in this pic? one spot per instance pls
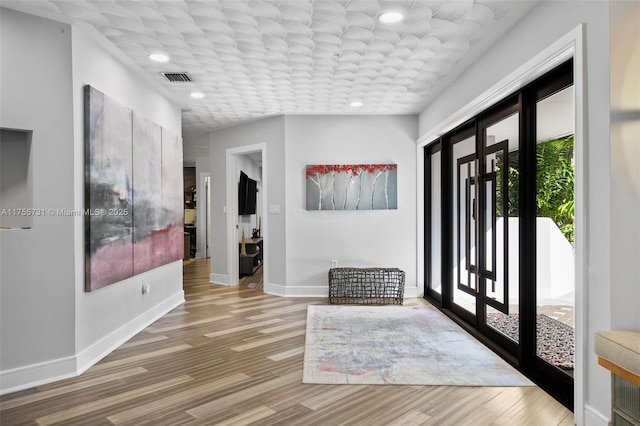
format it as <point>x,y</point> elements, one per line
<point>177,77</point>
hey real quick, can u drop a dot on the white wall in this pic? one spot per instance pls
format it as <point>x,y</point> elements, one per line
<point>625,165</point>
<point>545,24</point>
<point>51,328</point>
<point>270,132</point>
<point>37,289</point>
<point>555,262</point>
<point>301,244</point>
<point>354,238</point>
<point>107,317</point>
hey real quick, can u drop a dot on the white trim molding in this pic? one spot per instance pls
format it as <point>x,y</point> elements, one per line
<point>94,353</point>
<point>296,291</point>
<point>37,374</point>
<point>576,38</point>
<point>232,211</point>
<point>318,291</point>
<point>594,418</point>
<point>412,292</point>
<point>219,279</point>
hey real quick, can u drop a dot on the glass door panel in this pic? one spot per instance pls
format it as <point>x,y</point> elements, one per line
<point>436,224</point>
<point>464,232</point>
<point>500,273</point>
<point>555,266</point>
<point>507,180</point>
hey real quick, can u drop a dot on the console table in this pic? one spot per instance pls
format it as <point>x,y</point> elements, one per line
<point>619,352</point>
<point>250,262</point>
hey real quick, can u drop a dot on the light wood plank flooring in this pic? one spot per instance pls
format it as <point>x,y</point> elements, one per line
<point>254,281</point>
<point>233,356</point>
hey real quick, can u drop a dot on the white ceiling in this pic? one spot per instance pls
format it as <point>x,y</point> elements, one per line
<point>259,58</point>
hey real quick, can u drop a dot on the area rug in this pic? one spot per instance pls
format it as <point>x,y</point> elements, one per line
<point>555,340</point>
<point>398,345</point>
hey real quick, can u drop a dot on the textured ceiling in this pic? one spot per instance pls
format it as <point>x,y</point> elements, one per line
<point>256,58</point>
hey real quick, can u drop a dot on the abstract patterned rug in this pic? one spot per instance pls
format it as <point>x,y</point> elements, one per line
<point>555,340</point>
<point>399,345</point>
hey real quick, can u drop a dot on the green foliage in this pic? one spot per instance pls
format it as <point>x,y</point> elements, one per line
<point>555,175</point>
<point>555,183</point>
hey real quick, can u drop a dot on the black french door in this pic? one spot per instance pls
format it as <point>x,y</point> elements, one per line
<point>484,222</point>
<point>481,245</point>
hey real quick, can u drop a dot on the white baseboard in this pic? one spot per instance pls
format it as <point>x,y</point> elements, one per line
<point>274,289</point>
<point>411,292</point>
<point>51,371</point>
<point>316,291</point>
<point>108,344</point>
<point>594,418</point>
<point>37,374</point>
<point>219,279</point>
<point>296,291</point>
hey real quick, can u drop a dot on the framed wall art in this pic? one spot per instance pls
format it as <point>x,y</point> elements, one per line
<point>352,187</point>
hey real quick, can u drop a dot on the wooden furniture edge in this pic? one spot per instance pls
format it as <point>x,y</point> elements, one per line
<point>619,371</point>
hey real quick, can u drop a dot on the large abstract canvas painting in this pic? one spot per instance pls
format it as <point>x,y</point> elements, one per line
<point>172,197</point>
<point>133,191</point>
<point>148,225</point>
<point>352,187</point>
<point>108,191</point>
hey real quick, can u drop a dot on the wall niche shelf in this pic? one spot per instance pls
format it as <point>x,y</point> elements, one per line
<point>16,180</point>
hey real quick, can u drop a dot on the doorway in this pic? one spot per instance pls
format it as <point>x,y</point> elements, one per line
<point>204,217</point>
<point>499,196</point>
<point>249,159</point>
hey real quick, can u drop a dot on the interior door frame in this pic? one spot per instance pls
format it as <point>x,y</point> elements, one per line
<point>203,215</point>
<point>231,210</point>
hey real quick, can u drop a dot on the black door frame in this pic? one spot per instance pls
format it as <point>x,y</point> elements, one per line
<point>428,264</point>
<point>522,355</point>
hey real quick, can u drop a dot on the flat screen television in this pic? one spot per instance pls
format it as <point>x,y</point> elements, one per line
<point>247,194</point>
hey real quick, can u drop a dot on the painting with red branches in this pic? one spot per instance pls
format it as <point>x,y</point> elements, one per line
<point>352,186</point>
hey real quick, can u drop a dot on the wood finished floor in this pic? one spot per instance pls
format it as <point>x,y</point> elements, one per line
<point>253,281</point>
<point>233,356</point>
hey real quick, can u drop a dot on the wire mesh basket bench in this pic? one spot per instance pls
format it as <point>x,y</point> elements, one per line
<point>369,286</point>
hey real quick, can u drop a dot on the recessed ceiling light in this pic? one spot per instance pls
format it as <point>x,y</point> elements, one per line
<point>391,17</point>
<point>159,57</point>
<point>356,104</point>
<point>197,95</point>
